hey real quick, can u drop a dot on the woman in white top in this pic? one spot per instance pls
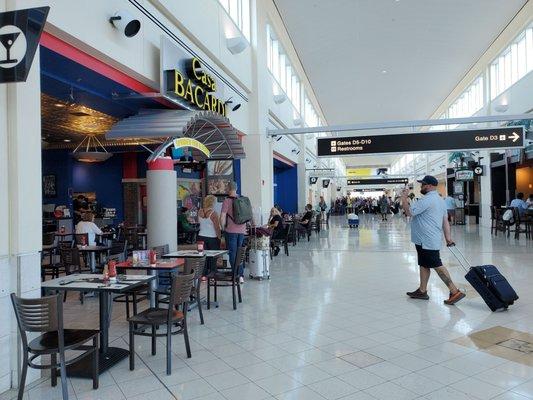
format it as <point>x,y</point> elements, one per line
<point>87,225</point>
<point>209,230</point>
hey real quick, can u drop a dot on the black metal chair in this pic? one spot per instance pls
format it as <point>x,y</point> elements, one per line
<point>133,296</point>
<point>195,265</point>
<point>282,240</point>
<point>180,292</point>
<point>45,315</point>
<point>226,277</point>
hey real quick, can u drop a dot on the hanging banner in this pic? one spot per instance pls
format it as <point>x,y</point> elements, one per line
<point>497,138</point>
<point>20,32</point>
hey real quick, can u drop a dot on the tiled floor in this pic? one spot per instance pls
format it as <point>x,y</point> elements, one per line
<point>333,322</point>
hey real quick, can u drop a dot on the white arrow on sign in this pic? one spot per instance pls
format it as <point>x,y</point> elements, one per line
<point>515,136</point>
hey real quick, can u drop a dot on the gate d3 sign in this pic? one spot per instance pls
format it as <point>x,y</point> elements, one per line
<point>497,138</point>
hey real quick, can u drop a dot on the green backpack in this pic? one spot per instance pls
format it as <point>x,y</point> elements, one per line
<point>242,210</point>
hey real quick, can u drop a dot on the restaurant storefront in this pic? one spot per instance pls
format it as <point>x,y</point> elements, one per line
<point>55,149</point>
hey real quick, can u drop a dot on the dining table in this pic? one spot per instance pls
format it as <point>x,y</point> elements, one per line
<point>108,356</point>
<point>151,270</point>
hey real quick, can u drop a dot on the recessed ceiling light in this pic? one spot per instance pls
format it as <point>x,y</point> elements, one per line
<point>384,71</point>
<point>67,140</point>
<point>59,105</point>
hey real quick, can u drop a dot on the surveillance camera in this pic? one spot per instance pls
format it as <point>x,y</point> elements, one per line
<point>126,23</point>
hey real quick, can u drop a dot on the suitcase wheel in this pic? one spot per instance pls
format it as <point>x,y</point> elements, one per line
<point>251,277</point>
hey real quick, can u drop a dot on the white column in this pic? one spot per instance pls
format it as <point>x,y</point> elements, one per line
<point>257,168</point>
<point>485,188</point>
<point>161,189</point>
<point>20,210</point>
<point>303,182</point>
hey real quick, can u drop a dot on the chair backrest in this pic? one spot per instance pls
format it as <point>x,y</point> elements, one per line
<point>49,238</point>
<point>160,250</point>
<point>118,257</point>
<point>119,248</point>
<point>241,253</point>
<point>180,290</point>
<point>66,244</point>
<point>70,256</point>
<point>81,238</point>
<point>195,265</point>
<point>43,314</point>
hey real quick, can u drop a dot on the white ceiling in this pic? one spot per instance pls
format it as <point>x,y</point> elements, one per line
<point>425,47</point>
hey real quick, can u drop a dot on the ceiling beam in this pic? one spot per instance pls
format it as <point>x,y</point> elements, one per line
<point>398,124</point>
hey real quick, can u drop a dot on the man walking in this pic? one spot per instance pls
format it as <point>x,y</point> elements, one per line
<point>429,221</point>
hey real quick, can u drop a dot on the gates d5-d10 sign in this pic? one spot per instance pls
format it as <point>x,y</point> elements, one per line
<point>498,138</point>
<point>377,181</point>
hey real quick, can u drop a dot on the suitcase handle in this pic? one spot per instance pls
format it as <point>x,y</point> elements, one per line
<point>459,256</point>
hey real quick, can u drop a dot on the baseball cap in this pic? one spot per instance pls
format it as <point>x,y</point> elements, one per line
<point>429,180</point>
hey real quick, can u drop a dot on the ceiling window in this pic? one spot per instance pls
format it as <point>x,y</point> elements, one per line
<point>310,115</point>
<point>470,102</point>
<point>285,78</point>
<point>239,12</point>
<point>512,64</point>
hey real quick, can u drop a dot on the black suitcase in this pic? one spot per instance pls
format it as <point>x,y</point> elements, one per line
<point>491,285</point>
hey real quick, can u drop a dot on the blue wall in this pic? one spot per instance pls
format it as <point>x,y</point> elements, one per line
<point>286,186</point>
<point>58,163</point>
<point>103,178</point>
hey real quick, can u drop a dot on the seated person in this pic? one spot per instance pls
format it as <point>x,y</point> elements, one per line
<point>87,225</point>
<point>353,220</point>
<point>519,203</point>
<point>184,225</point>
<point>275,223</point>
<point>308,216</point>
<point>529,201</point>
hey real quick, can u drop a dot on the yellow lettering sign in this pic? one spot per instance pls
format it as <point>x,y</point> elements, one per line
<point>188,142</point>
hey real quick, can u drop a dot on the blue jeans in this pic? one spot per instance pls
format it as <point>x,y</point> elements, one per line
<point>233,242</point>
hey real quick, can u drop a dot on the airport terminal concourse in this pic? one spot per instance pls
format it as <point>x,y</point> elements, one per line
<point>266,200</point>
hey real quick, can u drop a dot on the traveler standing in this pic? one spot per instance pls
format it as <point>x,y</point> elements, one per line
<point>234,229</point>
<point>209,230</point>
<point>323,206</point>
<point>383,207</point>
<point>429,222</point>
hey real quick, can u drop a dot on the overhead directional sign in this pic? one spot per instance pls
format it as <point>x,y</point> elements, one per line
<point>498,138</point>
<point>378,181</point>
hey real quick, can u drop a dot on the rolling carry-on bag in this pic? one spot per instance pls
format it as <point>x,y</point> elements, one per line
<point>491,285</point>
<point>259,264</point>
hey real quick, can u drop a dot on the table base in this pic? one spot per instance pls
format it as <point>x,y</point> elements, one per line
<point>83,368</point>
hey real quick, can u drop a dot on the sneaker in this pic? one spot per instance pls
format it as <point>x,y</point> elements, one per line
<point>417,294</point>
<point>241,280</point>
<point>454,298</point>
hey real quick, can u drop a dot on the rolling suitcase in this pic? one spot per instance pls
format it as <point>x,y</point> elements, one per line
<point>491,285</point>
<point>259,264</point>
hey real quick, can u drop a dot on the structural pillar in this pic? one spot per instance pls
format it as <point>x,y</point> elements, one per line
<point>302,175</point>
<point>162,219</point>
<point>485,189</point>
<point>20,210</point>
